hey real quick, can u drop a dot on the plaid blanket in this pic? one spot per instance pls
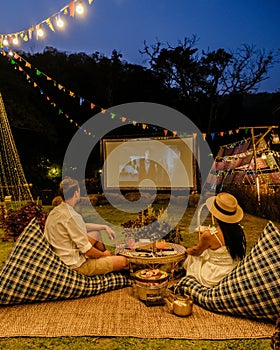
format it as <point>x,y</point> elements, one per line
<point>251,290</point>
<point>33,272</point>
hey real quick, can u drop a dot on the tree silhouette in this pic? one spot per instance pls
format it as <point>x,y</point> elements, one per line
<point>209,75</point>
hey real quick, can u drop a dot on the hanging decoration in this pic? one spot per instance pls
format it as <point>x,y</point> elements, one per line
<point>275,139</point>
<point>53,22</point>
<point>238,163</point>
<point>15,59</point>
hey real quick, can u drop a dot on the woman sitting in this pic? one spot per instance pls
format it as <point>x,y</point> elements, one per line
<point>220,247</point>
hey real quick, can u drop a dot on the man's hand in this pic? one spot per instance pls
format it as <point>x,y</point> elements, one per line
<point>107,253</point>
<point>111,233</point>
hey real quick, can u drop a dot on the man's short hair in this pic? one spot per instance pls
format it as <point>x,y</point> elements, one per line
<point>68,187</point>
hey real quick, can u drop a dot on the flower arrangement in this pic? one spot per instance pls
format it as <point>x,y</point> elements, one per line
<point>151,225</point>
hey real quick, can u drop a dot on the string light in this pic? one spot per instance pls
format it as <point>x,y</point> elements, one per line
<point>80,8</point>
<point>15,40</point>
<point>26,34</point>
<point>40,32</point>
<point>5,41</point>
<point>275,139</point>
<point>59,22</point>
<point>12,177</point>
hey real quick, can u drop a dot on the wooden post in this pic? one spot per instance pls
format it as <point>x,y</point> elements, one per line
<point>255,167</point>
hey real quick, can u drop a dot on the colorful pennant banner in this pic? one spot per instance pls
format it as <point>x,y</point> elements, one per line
<point>17,60</point>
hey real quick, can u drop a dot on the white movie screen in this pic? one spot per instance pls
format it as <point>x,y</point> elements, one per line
<point>137,163</point>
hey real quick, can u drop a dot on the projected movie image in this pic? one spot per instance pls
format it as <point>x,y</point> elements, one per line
<point>134,163</point>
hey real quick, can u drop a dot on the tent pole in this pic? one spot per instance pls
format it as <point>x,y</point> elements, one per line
<point>255,167</point>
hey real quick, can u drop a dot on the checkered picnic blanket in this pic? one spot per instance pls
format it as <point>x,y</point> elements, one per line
<point>251,290</point>
<point>33,272</point>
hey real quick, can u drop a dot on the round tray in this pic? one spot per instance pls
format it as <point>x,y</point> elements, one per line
<point>140,276</point>
<point>179,254</point>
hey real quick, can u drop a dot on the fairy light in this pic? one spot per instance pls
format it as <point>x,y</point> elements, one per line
<point>80,8</point>
<point>25,35</point>
<point>40,32</point>
<point>12,177</point>
<point>15,40</point>
<point>59,22</point>
<point>5,41</point>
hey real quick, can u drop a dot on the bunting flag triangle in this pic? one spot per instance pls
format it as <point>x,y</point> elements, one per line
<point>72,8</point>
<point>49,23</point>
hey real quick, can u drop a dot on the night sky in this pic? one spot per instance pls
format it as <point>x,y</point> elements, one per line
<point>124,25</point>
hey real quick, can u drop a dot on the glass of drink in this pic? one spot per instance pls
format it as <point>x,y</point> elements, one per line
<point>131,243</point>
<point>160,244</point>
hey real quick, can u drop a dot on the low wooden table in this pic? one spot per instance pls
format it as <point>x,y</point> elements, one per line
<point>152,260</point>
<point>156,258</point>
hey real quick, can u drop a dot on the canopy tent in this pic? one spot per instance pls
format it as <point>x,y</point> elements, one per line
<point>248,162</point>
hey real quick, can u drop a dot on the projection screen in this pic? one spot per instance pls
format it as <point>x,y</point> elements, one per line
<point>133,163</point>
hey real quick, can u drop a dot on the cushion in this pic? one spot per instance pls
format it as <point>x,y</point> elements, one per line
<point>33,272</point>
<point>251,289</point>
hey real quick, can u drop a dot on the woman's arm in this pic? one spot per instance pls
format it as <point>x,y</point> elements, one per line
<point>202,244</point>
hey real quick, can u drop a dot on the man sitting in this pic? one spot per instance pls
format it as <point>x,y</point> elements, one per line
<point>78,244</point>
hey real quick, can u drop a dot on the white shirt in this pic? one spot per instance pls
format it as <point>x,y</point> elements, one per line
<point>66,232</point>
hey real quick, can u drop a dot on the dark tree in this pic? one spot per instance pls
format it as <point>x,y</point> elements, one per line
<point>208,76</point>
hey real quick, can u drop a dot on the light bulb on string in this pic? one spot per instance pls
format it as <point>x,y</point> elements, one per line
<point>80,8</point>
<point>40,32</point>
<point>59,22</point>
<point>5,41</point>
<point>15,40</point>
<point>275,139</point>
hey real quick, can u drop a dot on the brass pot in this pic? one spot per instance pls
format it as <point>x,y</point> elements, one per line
<point>151,286</point>
<point>180,306</point>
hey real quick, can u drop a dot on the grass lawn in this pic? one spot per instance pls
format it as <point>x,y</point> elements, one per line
<point>253,226</point>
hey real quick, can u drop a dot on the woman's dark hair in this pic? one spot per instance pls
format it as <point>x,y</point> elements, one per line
<point>235,239</point>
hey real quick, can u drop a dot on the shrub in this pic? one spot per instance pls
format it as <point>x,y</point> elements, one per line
<point>16,220</point>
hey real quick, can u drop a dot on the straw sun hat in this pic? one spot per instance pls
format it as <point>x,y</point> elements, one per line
<point>225,207</point>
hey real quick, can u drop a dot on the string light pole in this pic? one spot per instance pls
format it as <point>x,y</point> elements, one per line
<point>13,185</point>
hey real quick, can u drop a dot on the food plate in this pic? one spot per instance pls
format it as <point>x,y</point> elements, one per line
<point>168,252</point>
<point>141,254</point>
<point>151,275</point>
